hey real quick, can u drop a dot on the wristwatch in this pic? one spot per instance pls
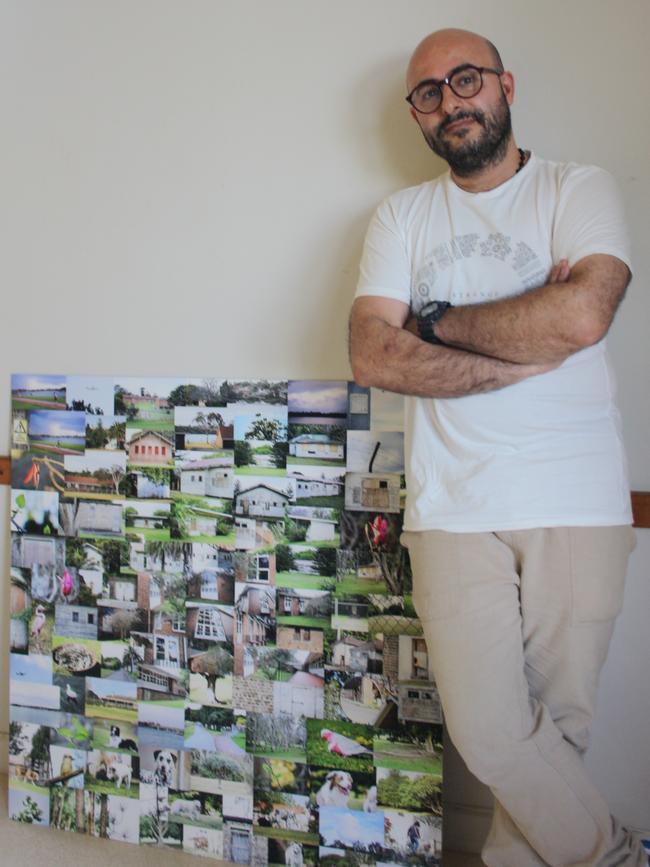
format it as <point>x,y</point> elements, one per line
<point>427,318</point>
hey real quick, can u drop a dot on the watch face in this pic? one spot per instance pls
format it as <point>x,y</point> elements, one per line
<point>429,308</point>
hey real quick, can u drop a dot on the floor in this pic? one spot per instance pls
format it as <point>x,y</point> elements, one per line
<point>27,846</point>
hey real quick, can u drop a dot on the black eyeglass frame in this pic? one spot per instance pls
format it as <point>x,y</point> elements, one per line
<point>440,81</point>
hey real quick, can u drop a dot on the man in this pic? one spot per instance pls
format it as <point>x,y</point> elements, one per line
<point>485,296</point>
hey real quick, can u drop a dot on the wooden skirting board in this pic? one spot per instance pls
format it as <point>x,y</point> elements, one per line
<point>640,499</point>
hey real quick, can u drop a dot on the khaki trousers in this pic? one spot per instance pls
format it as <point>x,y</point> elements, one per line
<point>518,625</point>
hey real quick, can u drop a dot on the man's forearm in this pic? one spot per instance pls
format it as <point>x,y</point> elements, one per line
<point>392,358</point>
<point>544,325</point>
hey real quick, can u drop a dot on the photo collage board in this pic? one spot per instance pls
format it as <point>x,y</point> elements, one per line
<point>213,642</point>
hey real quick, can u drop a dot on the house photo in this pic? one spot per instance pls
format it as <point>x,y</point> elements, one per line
<point>303,607</point>
<point>314,448</point>
<point>263,498</point>
<point>149,448</point>
<point>318,486</point>
<point>254,615</point>
<point>212,477</point>
<point>254,568</point>
<point>376,492</point>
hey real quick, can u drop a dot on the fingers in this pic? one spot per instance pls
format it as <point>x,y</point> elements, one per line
<point>560,272</point>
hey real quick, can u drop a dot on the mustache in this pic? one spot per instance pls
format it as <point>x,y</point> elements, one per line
<point>478,116</point>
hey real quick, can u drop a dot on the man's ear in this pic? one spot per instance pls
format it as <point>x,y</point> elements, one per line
<point>508,85</point>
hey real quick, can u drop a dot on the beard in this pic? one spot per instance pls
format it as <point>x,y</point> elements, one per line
<point>467,158</point>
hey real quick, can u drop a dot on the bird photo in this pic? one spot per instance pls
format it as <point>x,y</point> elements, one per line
<point>339,744</point>
<point>343,746</point>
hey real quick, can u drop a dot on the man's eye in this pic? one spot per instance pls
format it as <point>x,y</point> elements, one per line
<point>429,94</point>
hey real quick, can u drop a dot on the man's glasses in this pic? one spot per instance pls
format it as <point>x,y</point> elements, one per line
<point>464,82</point>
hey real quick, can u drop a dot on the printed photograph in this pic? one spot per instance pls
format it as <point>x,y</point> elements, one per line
<point>161,724</point>
<point>257,568</point>
<point>342,828</point>
<point>91,518</point>
<point>106,432</point>
<point>148,483</point>
<point>286,816</point>
<point>413,838</point>
<point>366,492</point>
<point>149,519</point>
<point>73,692</point>
<point>112,700</point>
<point>37,472</point>
<point>262,497</point>
<point>79,657</point>
<point>339,788</point>
<point>31,391</point>
<point>72,730</point>
<point>316,445</point>
<point>205,476</point>
<point>308,608</point>
<point>221,773</point>
<point>203,841</point>
<point>375,451</point>
<point>202,520</point>
<point>318,486</point>
<point>67,767</point>
<point>112,773</point>
<point>371,555</point>
<point>20,609</point>
<point>410,747</point>
<point>211,670</point>
<point>53,432</point>
<point>35,512</point>
<point>244,391</point>
<point>318,401</point>
<point>29,757</point>
<point>29,804</point>
<point>150,448</point>
<point>341,745</point>
<point>93,395</point>
<point>155,828</point>
<point>359,407</point>
<point>95,475</point>
<point>113,817</point>
<point>205,429</point>
<point>261,440</point>
<point>304,567</point>
<point>280,775</point>
<point>277,737</point>
<point>30,683</point>
<point>351,613</point>
<point>120,737</point>
<point>67,809</point>
<point>386,410</point>
<point>291,852</point>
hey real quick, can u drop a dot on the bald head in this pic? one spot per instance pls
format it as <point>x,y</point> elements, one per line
<point>450,47</point>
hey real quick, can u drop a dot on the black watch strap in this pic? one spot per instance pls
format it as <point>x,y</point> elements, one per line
<point>427,318</point>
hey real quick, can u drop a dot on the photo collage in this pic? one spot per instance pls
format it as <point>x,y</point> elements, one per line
<point>213,642</point>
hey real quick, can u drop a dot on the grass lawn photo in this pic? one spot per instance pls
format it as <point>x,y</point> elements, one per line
<point>405,756</point>
<point>304,621</point>
<point>304,581</point>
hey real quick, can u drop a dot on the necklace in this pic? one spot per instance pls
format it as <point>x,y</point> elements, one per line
<point>522,159</point>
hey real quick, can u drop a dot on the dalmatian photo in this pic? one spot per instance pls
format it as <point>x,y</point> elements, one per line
<point>164,767</point>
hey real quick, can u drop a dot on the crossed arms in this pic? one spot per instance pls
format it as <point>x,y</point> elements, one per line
<point>490,345</point>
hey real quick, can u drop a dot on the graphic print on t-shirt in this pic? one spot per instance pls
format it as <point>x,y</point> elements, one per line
<point>495,246</point>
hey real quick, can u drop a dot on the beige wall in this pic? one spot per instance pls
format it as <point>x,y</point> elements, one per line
<point>207,168</point>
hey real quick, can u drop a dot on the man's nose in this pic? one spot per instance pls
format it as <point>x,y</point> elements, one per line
<point>449,101</point>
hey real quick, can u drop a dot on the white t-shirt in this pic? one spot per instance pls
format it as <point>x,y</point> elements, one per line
<point>547,451</point>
